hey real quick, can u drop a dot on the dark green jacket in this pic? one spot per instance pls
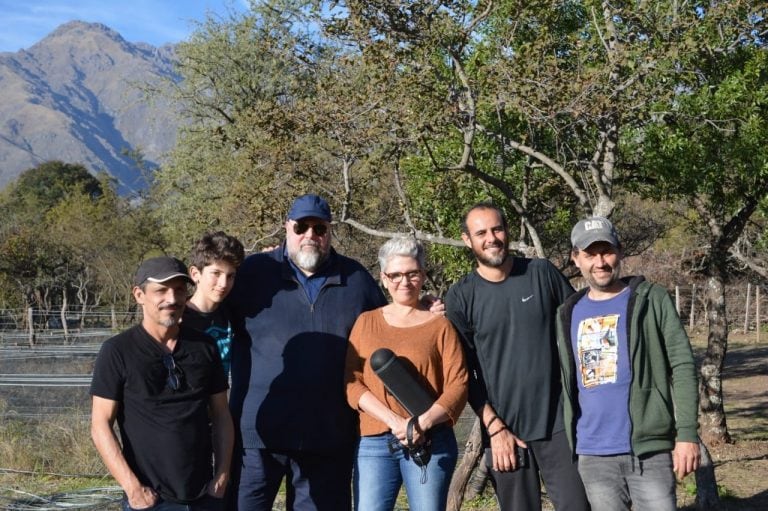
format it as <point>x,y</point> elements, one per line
<point>663,396</point>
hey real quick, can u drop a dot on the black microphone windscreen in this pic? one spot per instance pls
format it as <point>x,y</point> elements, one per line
<point>400,382</point>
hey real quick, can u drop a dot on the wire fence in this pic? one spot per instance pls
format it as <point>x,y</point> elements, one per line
<point>47,357</point>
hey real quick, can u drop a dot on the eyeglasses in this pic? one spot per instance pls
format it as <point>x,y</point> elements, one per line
<point>175,375</point>
<point>397,277</point>
<point>302,227</point>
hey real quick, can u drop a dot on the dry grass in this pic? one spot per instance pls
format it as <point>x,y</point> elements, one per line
<point>47,456</point>
<point>56,455</point>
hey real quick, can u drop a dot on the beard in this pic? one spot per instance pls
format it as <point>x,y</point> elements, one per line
<point>604,283</point>
<point>308,260</point>
<point>172,320</point>
<point>489,260</point>
<point>169,322</point>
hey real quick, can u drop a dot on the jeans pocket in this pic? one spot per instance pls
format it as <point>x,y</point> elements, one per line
<point>127,507</point>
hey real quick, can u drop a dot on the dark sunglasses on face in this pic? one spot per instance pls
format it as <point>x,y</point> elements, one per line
<point>173,381</point>
<point>301,227</point>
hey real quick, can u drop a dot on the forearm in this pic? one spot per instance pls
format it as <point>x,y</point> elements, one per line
<point>435,415</point>
<point>371,405</point>
<point>223,444</point>
<point>488,415</point>
<point>112,455</point>
<point>684,378</point>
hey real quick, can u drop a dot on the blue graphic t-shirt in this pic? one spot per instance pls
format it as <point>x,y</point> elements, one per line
<point>603,374</point>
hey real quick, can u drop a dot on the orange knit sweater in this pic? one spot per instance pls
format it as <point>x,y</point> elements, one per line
<point>432,347</point>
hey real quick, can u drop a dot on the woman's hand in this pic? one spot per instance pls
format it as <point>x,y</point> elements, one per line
<point>399,428</point>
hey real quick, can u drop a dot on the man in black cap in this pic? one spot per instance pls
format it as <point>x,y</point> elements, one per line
<point>294,308</point>
<point>165,386</point>
<point>629,380</point>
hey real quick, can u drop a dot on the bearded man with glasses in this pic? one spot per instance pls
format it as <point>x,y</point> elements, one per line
<point>165,386</point>
<point>293,309</point>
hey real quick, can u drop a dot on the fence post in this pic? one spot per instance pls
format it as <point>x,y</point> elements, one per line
<point>693,307</point>
<point>677,299</point>
<point>64,316</point>
<point>31,324</point>
<point>746,308</point>
<point>757,314</point>
<point>114,319</point>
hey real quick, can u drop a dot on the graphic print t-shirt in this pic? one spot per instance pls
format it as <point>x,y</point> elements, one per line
<point>603,373</point>
<point>217,325</point>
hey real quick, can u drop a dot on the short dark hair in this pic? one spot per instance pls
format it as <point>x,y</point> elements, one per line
<point>483,205</point>
<point>216,246</point>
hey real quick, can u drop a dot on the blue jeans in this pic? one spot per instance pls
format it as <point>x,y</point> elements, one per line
<point>206,503</point>
<point>621,482</point>
<point>379,473</point>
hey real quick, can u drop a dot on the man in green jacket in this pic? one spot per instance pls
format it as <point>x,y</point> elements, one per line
<point>629,380</point>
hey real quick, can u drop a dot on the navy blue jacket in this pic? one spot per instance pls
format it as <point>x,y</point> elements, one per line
<point>288,354</point>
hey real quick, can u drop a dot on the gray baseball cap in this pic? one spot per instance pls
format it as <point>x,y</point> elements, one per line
<point>592,230</point>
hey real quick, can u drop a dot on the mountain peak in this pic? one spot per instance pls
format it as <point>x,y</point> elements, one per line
<point>77,28</point>
<point>76,96</point>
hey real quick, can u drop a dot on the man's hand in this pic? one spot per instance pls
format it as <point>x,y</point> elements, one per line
<point>218,486</point>
<point>503,450</point>
<point>686,458</point>
<point>434,304</point>
<point>142,498</point>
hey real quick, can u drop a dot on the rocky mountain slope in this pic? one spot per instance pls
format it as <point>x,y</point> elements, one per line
<point>75,96</point>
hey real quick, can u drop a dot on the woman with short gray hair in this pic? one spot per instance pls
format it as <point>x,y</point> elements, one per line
<point>431,346</point>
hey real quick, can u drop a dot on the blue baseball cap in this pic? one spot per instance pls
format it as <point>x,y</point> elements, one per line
<point>310,205</point>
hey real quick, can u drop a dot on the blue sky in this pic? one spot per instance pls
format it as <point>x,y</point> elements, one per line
<point>24,22</point>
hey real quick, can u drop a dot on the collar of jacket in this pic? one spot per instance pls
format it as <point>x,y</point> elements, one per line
<point>331,270</point>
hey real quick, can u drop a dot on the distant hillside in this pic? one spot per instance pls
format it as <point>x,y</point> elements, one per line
<point>73,97</point>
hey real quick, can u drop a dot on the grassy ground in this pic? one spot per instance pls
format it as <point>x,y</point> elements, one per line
<point>51,463</point>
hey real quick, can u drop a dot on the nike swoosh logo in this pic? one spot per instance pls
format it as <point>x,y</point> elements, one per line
<point>527,298</point>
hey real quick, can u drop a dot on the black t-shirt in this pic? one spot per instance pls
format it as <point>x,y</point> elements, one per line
<point>508,330</point>
<point>166,434</point>
<point>217,325</point>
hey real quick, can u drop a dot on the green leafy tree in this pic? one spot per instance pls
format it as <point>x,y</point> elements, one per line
<point>708,148</point>
<point>69,238</point>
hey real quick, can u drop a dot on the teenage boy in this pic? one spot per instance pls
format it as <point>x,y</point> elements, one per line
<point>213,262</point>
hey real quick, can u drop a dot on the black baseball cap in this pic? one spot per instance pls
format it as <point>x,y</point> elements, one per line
<point>160,269</point>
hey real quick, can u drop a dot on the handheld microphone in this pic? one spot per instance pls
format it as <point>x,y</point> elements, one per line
<point>402,384</point>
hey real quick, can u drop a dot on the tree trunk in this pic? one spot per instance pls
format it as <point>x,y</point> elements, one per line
<point>473,451</point>
<point>706,484</point>
<point>478,481</point>
<point>714,430</point>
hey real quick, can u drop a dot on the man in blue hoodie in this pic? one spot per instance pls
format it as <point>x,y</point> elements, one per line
<point>293,309</point>
<point>629,380</point>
